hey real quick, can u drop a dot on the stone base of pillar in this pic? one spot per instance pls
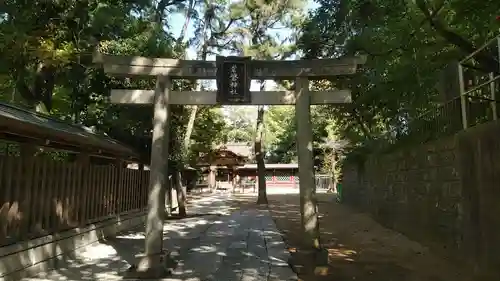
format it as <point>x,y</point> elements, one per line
<point>321,257</point>
<point>145,269</point>
<point>168,212</point>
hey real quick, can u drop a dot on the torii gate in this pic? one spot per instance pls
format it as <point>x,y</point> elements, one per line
<point>233,76</point>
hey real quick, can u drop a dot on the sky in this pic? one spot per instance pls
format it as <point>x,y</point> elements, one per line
<point>177,22</point>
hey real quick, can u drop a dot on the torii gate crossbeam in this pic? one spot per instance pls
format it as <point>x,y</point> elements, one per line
<point>302,71</point>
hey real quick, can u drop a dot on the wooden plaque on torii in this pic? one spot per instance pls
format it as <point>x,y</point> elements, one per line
<point>233,81</point>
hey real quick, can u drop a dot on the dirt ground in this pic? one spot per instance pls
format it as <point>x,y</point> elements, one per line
<point>359,248</point>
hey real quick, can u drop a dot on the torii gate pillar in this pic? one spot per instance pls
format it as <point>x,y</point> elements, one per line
<point>158,183</point>
<point>308,206</point>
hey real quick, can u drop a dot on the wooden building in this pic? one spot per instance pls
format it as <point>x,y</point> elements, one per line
<point>220,164</point>
<point>229,162</point>
<point>276,174</point>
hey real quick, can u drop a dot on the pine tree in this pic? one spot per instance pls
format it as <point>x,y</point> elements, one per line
<point>253,37</point>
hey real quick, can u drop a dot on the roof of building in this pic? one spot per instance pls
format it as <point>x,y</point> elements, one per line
<point>24,126</point>
<point>239,148</point>
<point>270,166</point>
<point>220,157</point>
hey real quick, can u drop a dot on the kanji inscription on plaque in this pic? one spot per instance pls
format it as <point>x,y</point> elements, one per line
<point>232,80</point>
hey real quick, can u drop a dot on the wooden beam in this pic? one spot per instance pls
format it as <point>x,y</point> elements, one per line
<point>259,69</point>
<point>143,97</point>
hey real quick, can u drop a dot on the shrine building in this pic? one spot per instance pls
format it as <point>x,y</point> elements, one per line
<point>233,160</point>
<point>276,174</point>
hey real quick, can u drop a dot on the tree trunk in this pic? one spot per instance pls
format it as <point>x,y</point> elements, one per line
<point>333,181</point>
<point>181,194</point>
<point>487,61</point>
<point>186,145</point>
<point>189,130</point>
<point>186,22</point>
<point>199,87</point>
<point>168,197</point>
<point>259,155</point>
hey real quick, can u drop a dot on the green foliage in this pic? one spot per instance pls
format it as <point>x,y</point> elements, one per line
<point>281,134</point>
<point>64,34</point>
<point>256,33</point>
<point>408,43</point>
<point>240,123</point>
<point>208,131</point>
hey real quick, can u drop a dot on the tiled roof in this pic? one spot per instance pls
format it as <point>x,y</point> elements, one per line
<point>25,123</point>
<point>241,148</point>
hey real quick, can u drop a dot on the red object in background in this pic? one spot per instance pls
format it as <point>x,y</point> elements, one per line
<point>498,18</point>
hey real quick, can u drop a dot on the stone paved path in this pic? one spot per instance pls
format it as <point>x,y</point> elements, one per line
<point>240,245</point>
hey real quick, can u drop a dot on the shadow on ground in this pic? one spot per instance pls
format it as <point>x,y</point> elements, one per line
<point>358,247</point>
<point>237,240</point>
<point>219,243</point>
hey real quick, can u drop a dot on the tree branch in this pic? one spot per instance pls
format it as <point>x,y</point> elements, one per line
<point>162,5</point>
<point>487,61</point>
<point>406,43</point>
<point>186,22</point>
<point>220,33</point>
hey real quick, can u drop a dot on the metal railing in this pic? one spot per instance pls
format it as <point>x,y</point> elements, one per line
<point>476,103</point>
<point>483,87</point>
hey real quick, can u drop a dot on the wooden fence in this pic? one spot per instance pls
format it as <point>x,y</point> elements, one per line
<point>323,181</point>
<point>40,196</point>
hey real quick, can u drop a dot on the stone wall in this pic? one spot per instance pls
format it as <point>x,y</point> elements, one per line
<point>445,194</point>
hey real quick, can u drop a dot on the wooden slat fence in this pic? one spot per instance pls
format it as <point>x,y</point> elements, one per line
<point>323,181</point>
<point>39,196</point>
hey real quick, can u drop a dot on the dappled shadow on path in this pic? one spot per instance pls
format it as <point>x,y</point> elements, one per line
<point>219,246</point>
<point>359,248</point>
